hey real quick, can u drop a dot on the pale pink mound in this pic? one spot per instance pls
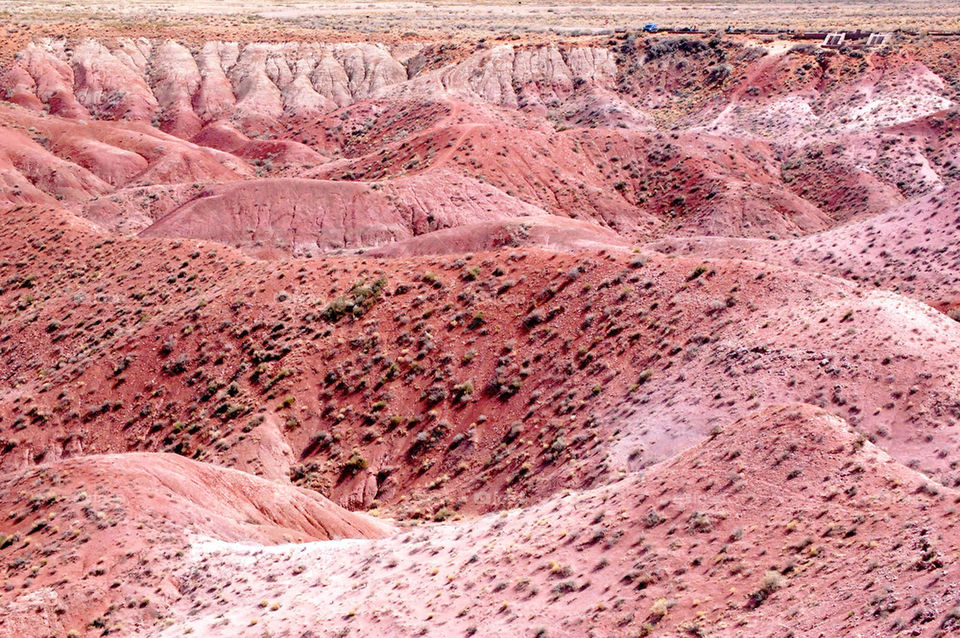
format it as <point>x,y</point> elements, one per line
<point>778,515</point>
<point>125,519</point>
<point>913,249</point>
<point>309,216</point>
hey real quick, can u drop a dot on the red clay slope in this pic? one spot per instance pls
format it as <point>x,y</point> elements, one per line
<point>88,535</point>
<point>545,231</point>
<point>305,217</point>
<point>913,250</point>
<point>512,372</point>
<point>629,402</point>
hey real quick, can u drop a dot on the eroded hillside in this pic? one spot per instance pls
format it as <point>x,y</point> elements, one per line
<point>618,334</point>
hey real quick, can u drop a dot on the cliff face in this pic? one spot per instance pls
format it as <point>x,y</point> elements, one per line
<point>255,83</point>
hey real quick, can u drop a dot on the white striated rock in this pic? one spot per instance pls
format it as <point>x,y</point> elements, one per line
<point>255,84</point>
<point>176,79</point>
<point>215,99</point>
<point>109,88</point>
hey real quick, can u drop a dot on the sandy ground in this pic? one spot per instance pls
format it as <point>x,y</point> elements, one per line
<point>454,15</point>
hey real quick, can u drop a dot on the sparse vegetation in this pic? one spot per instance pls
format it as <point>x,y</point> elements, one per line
<point>362,296</point>
<point>662,345</point>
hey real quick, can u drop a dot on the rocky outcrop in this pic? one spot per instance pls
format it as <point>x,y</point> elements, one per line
<point>520,76</point>
<point>112,85</point>
<point>181,89</point>
<point>176,79</point>
<point>53,78</point>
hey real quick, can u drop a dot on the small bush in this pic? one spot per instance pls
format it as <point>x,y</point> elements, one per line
<point>362,296</point>
<point>699,270</point>
<point>771,582</point>
<point>462,391</point>
<point>659,609</point>
<point>533,319</point>
<point>355,463</point>
<point>434,395</point>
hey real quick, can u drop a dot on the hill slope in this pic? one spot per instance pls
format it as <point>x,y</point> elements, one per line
<point>88,535</point>
<point>786,517</point>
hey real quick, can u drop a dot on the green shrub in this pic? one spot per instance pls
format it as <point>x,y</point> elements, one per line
<point>355,463</point>
<point>699,270</point>
<point>462,391</point>
<point>362,296</point>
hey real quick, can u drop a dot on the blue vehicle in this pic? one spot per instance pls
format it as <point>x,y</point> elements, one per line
<point>650,28</point>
